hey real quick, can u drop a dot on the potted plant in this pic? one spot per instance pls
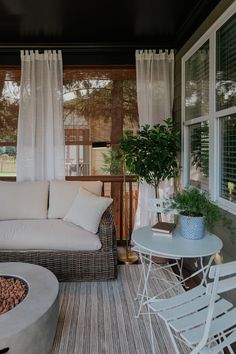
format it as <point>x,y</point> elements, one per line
<point>151,153</point>
<point>196,212</point>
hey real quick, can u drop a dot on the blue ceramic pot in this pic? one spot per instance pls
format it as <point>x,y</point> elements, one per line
<point>192,228</point>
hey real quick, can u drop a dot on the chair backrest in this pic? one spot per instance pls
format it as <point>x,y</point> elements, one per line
<point>223,278</point>
<point>161,207</point>
<point>224,275</point>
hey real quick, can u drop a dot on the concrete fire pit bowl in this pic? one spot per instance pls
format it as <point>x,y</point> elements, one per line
<point>29,328</point>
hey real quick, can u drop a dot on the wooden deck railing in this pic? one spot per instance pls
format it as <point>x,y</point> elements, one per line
<point>125,199</point>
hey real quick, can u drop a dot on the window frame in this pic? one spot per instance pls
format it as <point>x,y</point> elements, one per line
<point>213,116</point>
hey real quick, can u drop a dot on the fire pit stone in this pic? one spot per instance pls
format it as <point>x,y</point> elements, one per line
<point>30,326</point>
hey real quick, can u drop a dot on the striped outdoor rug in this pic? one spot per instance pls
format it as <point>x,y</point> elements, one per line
<point>98,318</point>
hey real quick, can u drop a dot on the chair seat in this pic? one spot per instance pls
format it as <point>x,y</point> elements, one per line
<point>187,312</point>
<point>218,325</point>
<point>194,319</point>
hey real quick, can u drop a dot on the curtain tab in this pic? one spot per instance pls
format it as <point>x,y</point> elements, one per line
<point>55,54</point>
<point>137,54</point>
<point>45,54</point>
<point>50,55</point>
<point>36,54</point>
<point>153,53</point>
<point>172,54</point>
<point>22,54</point>
<point>59,54</point>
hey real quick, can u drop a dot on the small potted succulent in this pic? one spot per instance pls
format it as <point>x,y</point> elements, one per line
<point>196,212</point>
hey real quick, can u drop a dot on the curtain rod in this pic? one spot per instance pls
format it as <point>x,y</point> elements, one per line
<point>86,46</point>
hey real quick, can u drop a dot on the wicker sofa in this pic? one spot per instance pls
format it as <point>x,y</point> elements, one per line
<point>70,265</point>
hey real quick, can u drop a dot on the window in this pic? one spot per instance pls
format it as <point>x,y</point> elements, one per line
<point>99,104</point>
<point>209,112</point>
<point>228,158</point>
<point>199,155</point>
<point>9,105</point>
<point>196,109</point>
<point>197,83</point>
<point>226,65</point>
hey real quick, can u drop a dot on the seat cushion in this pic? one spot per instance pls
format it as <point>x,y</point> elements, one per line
<point>23,200</point>
<point>46,235</point>
<point>63,193</point>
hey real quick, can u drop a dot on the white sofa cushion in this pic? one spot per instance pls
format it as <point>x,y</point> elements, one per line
<point>46,235</point>
<point>23,200</point>
<point>63,193</point>
<point>87,210</point>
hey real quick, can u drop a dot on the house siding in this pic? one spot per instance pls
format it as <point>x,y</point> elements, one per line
<point>229,248</point>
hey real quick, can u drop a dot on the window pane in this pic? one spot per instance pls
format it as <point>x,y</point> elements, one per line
<point>199,155</point>
<point>228,158</point>
<point>99,104</point>
<point>7,161</point>
<point>197,83</point>
<point>226,65</point>
<point>77,160</point>
<point>9,105</point>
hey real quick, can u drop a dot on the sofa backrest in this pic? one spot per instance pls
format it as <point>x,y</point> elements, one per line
<point>63,193</point>
<point>23,200</point>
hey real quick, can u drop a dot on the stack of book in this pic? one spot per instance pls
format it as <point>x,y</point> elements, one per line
<point>164,228</point>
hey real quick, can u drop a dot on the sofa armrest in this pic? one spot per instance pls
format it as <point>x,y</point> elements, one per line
<point>107,231</point>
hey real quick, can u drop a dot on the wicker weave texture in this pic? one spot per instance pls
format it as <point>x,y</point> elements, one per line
<point>76,265</point>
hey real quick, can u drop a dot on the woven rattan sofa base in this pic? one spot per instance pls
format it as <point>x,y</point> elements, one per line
<point>68,266</point>
<point>76,265</point>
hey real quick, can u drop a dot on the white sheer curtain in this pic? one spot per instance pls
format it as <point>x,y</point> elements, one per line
<point>40,133</point>
<point>155,92</point>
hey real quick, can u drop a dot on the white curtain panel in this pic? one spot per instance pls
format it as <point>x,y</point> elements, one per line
<point>155,93</point>
<point>40,133</point>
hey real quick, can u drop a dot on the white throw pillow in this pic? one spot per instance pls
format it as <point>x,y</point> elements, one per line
<point>87,210</point>
<point>63,193</point>
<point>23,200</point>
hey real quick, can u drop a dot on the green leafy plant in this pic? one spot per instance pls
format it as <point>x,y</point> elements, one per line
<point>113,162</point>
<point>193,202</point>
<point>151,154</point>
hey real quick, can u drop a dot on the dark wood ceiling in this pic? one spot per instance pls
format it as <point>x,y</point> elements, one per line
<point>100,25</point>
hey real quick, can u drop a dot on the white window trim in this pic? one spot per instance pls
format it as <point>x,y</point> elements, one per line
<point>196,120</point>
<point>213,116</point>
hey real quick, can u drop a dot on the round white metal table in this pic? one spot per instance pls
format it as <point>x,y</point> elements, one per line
<point>176,246</point>
<point>149,244</point>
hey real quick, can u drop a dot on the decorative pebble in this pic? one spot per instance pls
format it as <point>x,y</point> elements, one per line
<point>12,292</point>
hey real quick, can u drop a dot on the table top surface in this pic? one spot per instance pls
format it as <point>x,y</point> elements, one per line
<point>176,246</point>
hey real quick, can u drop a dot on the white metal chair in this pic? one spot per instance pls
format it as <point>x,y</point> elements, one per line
<point>200,317</point>
<point>160,207</point>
